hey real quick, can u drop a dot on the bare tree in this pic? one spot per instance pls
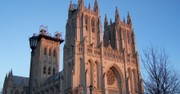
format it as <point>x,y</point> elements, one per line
<point>160,76</point>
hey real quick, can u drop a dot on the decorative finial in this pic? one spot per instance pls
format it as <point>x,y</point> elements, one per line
<point>117,18</point>
<point>43,29</point>
<point>105,21</point>
<point>110,21</point>
<point>70,6</point>
<point>95,5</point>
<point>89,6</point>
<point>129,22</point>
<point>124,20</point>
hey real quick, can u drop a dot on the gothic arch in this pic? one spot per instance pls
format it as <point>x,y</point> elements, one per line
<point>130,82</point>
<point>119,79</point>
<point>117,68</point>
<point>134,72</point>
<point>89,72</point>
<point>96,74</point>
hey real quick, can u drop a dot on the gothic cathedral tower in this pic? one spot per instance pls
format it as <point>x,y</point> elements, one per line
<point>83,28</point>
<point>44,59</point>
<point>99,65</point>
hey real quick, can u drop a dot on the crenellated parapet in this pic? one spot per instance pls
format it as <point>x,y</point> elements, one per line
<point>113,55</point>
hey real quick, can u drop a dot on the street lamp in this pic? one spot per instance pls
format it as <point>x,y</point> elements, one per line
<point>90,88</point>
<point>33,42</point>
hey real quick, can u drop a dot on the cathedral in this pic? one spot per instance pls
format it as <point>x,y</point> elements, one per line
<point>94,61</point>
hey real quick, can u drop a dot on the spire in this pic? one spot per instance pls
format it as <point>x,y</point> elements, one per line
<point>129,19</point>
<point>96,8</point>
<point>95,5</point>
<point>110,21</point>
<point>89,6</point>
<point>11,73</point>
<point>105,22</point>
<point>80,4</point>
<point>6,77</point>
<point>129,22</point>
<point>117,18</point>
<point>124,20</point>
<point>70,5</point>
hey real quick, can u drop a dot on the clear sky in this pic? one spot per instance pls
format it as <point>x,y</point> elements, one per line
<point>155,22</point>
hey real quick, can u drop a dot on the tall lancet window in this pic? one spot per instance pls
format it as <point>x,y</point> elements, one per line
<point>93,25</point>
<point>45,51</point>
<point>54,53</point>
<point>44,70</point>
<point>49,52</point>
<point>86,23</point>
<point>49,70</point>
<point>128,39</point>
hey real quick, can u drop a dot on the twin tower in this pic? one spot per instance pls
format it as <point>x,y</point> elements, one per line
<point>93,63</point>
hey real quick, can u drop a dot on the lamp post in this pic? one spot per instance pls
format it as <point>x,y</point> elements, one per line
<point>90,88</point>
<point>33,42</point>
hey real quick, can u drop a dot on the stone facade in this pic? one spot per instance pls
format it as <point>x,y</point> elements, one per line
<point>99,64</point>
<point>15,84</point>
<point>93,63</point>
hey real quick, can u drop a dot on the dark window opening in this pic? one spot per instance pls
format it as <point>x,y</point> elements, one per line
<point>44,70</point>
<point>54,53</point>
<point>49,52</point>
<point>49,71</point>
<point>45,51</point>
<point>86,23</point>
<point>53,71</point>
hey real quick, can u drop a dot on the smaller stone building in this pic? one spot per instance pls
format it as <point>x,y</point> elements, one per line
<point>15,84</point>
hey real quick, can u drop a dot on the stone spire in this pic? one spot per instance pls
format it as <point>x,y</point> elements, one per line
<point>80,4</point>
<point>70,9</point>
<point>110,21</point>
<point>129,19</point>
<point>6,77</point>
<point>11,73</point>
<point>95,5</point>
<point>129,22</point>
<point>124,21</point>
<point>70,5</point>
<point>89,6</point>
<point>117,18</point>
<point>105,22</point>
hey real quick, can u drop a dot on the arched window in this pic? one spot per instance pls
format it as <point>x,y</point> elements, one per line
<point>49,52</point>
<point>54,71</point>
<point>54,53</point>
<point>130,80</point>
<point>135,80</point>
<point>45,51</point>
<point>91,72</point>
<point>44,70</point>
<point>93,25</point>
<point>16,92</point>
<point>129,38</point>
<point>92,22</point>
<point>96,75</point>
<point>49,70</point>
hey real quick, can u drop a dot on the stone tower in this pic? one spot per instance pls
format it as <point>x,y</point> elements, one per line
<point>83,28</point>
<point>44,59</point>
<point>99,65</point>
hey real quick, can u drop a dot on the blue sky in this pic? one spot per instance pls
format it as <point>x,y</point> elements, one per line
<point>155,22</point>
